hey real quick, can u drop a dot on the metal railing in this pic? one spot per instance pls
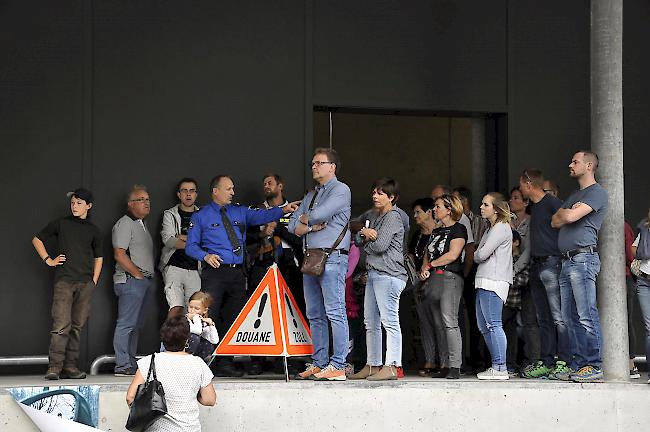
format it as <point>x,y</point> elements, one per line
<point>102,360</point>
<point>24,360</point>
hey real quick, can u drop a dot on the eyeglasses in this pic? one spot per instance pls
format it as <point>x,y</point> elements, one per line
<point>319,163</point>
<point>190,191</point>
<point>141,200</point>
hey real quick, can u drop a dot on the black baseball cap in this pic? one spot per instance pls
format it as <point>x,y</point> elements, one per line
<point>83,194</point>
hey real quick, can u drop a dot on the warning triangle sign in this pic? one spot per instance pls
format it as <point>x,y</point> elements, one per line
<point>270,324</point>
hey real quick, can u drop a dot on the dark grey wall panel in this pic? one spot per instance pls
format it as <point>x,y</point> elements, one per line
<point>549,106</point>
<point>424,54</point>
<point>636,102</point>
<point>41,155</point>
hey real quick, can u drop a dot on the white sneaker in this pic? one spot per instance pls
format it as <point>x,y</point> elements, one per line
<point>493,374</point>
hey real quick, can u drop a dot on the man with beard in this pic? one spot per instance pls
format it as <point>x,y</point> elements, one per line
<point>579,221</point>
<point>273,243</point>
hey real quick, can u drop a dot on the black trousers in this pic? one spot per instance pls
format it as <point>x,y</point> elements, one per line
<point>227,286</point>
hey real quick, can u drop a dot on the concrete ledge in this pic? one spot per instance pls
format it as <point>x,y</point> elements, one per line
<point>406,405</point>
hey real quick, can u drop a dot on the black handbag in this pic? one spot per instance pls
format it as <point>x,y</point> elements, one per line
<point>149,403</point>
<point>413,273</point>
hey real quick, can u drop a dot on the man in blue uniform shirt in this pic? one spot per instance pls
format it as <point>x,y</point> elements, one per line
<point>217,236</point>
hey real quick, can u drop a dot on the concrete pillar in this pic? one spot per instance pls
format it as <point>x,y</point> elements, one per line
<point>478,162</point>
<point>607,141</point>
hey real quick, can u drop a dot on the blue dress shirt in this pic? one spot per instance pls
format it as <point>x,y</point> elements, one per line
<point>207,235</point>
<point>332,205</point>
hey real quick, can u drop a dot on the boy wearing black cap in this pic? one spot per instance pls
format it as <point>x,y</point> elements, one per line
<point>77,263</point>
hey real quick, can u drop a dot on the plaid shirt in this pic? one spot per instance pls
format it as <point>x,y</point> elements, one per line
<point>479,226</point>
<point>519,282</point>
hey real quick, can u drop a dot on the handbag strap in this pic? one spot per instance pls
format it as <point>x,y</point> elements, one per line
<point>340,237</point>
<point>152,368</point>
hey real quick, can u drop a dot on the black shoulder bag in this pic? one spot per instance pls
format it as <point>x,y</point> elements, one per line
<point>149,403</point>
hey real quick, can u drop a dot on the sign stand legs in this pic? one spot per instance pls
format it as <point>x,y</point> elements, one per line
<point>286,369</point>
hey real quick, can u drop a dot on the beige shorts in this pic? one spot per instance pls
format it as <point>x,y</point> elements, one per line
<point>180,284</point>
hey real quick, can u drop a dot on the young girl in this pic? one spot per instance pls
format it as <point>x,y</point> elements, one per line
<point>203,333</point>
<point>493,280</point>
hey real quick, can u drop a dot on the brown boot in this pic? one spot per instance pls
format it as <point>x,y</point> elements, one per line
<point>386,373</point>
<point>72,373</point>
<point>52,373</point>
<point>365,372</point>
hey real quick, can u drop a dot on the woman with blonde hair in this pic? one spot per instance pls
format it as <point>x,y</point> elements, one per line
<point>493,280</point>
<point>442,270</point>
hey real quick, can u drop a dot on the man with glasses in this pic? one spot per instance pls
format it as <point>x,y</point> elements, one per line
<point>322,217</point>
<point>579,221</point>
<point>133,278</point>
<point>555,337</point>
<point>217,236</point>
<point>180,272</point>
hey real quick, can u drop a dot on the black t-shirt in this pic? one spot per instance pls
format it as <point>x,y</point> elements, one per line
<point>80,241</point>
<point>441,240</point>
<point>179,258</point>
<point>418,247</point>
<point>543,237</point>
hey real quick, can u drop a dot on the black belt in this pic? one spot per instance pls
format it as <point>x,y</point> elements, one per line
<point>223,265</point>
<point>574,252</point>
<point>644,275</point>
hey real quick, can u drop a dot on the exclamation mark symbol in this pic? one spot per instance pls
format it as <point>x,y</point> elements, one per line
<point>286,298</point>
<point>258,321</point>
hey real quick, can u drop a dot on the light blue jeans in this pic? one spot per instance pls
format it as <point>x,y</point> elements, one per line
<point>489,308</point>
<point>381,307</point>
<point>643,293</point>
<point>325,301</point>
<point>578,277</point>
<point>133,297</point>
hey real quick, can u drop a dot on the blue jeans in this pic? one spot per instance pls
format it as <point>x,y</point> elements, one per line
<point>381,307</point>
<point>550,304</point>
<point>489,309</point>
<point>643,292</point>
<point>578,285</point>
<point>554,334</point>
<point>131,305</point>
<point>325,300</point>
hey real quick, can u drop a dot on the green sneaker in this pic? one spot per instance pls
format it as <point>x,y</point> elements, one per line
<point>564,375</point>
<point>539,370</point>
<point>560,368</point>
